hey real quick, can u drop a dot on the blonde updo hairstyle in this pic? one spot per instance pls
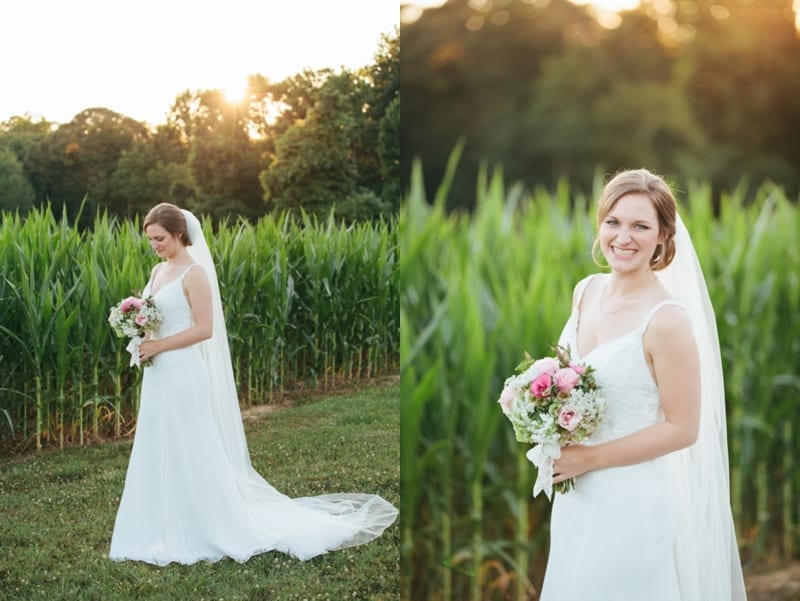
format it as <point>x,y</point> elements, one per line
<point>171,219</point>
<point>641,181</point>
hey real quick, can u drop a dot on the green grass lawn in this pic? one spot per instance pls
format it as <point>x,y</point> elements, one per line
<point>57,512</point>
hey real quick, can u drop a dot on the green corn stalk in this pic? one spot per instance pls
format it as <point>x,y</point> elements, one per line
<point>306,300</point>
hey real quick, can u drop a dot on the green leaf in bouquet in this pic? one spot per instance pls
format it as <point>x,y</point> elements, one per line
<point>526,363</point>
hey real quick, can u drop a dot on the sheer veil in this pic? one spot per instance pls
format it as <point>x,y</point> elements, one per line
<point>706,550</point>
<point>216,351</point>
<point>306,524</point>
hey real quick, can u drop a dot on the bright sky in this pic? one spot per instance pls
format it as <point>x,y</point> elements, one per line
<point>60,57</point>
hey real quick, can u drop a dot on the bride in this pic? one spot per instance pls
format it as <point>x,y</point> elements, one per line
<point>191,493</point>
<point>649,517</point>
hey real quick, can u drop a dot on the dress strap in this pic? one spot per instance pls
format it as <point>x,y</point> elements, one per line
<point>581,287</point>
<point>185,271</point>
<point>651,313</point>
<point>153,272</point>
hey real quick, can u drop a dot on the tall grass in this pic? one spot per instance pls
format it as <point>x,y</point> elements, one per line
<point>311,302</point>
<point>478,290</point>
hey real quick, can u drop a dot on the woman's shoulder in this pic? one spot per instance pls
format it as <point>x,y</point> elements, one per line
<point>669,335</point>
<point>156,268</point>
<point>194,273</point>
<point>669,320</point>
<point>583,284</point>
<point>670,312</point>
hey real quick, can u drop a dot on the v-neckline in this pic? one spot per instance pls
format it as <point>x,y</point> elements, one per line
<point>648,315</point>
<point>577,314</point>
<point>172,281</point>
<point>583,356</point>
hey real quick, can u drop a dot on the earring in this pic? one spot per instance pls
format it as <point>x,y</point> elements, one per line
<point>594,255</point>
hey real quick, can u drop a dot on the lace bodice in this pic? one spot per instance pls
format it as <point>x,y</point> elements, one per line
<point>171,301</point>
<point>631,395</point>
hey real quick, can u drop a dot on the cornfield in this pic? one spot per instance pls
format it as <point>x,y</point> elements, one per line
<point>307,302</point>
<point>479,290</point>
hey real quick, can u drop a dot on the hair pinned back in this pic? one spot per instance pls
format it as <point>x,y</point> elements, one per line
<point>171,218</point>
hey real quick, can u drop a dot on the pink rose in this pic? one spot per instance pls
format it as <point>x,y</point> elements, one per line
<point>507,399</point>
<point>127,304</point>
<point>131,303</point>
<point>569,417</point>
<point>548,365</point>
<point>541,385</point>
<point>578,368</point>
<point>566,378</point>
<point>140,319</point>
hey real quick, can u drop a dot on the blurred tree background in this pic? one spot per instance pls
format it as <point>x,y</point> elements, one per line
<point>319,140</point>
<point>543,89</point>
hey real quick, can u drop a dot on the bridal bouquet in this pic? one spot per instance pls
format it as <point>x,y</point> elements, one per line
<point>551,402</point>
<point>134,317</point>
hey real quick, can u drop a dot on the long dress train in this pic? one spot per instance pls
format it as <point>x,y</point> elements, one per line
<point>186,499</point>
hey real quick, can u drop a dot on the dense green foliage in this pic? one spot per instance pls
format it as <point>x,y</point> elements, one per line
<point>478,291</point>
<point>58,513</point>
<point>307,302</point>
<point>697,88</point>
<point>311,140</point>
<point>16,191</point>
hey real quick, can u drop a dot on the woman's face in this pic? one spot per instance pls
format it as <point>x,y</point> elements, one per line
<point>161,241</point>
<point>629,233</point>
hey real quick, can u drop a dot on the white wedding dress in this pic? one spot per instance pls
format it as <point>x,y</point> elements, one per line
<point>612,535</point>
<point>188,497</point>
<point>640,532</point>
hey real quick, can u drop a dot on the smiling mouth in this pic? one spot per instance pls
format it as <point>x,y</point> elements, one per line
<point>624,252</point>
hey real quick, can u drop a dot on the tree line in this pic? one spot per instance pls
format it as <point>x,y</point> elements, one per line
<point>322,140</point>
<point>695,89</point>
